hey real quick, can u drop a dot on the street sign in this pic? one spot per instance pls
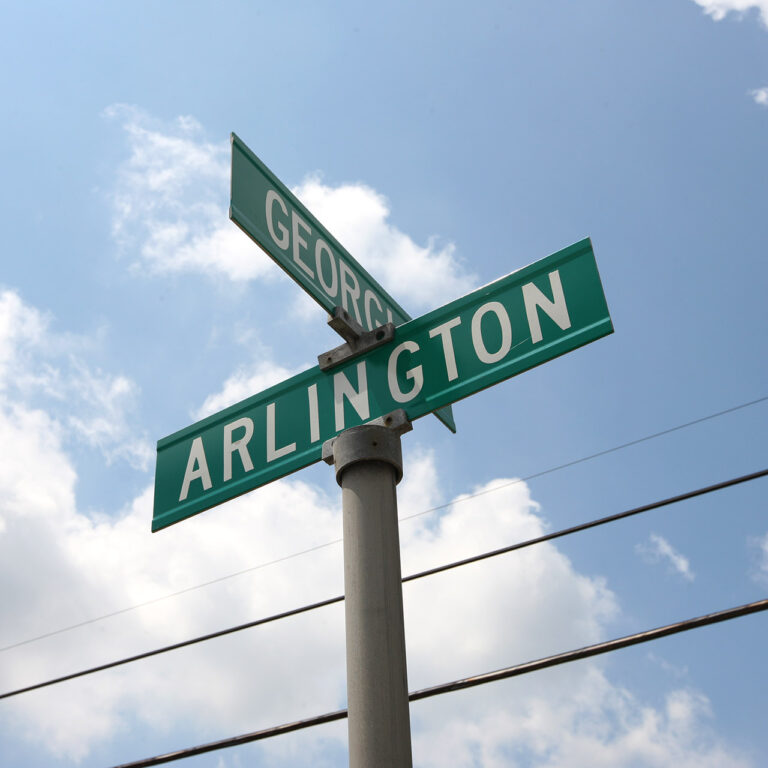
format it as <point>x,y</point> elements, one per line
<point>271,215</point>
<point>509,326</point>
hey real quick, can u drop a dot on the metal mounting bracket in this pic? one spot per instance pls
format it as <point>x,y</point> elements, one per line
<point>396,421</point>
<point>358,339</point>
<point>345,325</point>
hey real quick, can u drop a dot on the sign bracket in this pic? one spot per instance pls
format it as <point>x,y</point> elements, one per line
<point>358,340</point>
<point>397,421</point>
<point>345,325</point>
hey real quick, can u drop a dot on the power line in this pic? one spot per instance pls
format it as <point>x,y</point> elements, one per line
<point>468,682</point>
<point>460,500</point>
<point>175,646</point>
<point>591,456</point>
<point>593,650</point>
<point>420,575</point>
<point>154,600</point>
<point>594,523</point>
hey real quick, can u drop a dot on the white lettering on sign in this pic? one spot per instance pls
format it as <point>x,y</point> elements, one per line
<point>415,374</point>
<point>477,332</point>
<point>331,289</point>
<point>197,467</point>
<point>350,287</point>
<point>314,414</point>
<point>408,372</point>
<point>556,309</point>
<point>240,445</point>
<point>358,399</point>
<point>444,332</point>
<point>341,282</point>
<point>283,240</point>
<point>299,242</point>
<point>273,452</point>
<point>368,299</point>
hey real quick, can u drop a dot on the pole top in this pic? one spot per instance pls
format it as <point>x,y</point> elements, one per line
<point>369,442</point>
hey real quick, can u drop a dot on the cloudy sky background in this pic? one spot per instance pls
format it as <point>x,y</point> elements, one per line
<point>443,149</point>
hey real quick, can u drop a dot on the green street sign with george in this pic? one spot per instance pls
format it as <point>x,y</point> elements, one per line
<point>273,217</point>
<point>509,326</point>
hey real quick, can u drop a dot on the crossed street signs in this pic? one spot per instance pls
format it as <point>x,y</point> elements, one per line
<point>509,326</point>
<point>271,215</point>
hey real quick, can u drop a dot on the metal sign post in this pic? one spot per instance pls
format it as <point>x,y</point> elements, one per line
<point>369,464</point>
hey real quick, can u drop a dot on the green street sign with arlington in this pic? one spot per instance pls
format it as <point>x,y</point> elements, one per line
<point>509,326</point>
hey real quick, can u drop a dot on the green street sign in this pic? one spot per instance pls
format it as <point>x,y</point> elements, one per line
<point>271,215</point>
<point>274,218</point>
<point>509,326</point>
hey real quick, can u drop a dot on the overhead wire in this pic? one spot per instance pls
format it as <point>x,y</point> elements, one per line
<point>593,523</point>
<point>413,577</point>
<point>459,500</point>
<point>160,599</point>
<point>468,682</point>
<point>589,457</point>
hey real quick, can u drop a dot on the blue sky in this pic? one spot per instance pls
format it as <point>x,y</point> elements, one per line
<point>444,148</point>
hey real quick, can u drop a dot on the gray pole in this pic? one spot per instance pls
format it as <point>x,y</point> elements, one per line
<point>369,464</point>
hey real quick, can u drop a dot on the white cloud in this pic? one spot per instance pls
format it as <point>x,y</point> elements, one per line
<point>760,95</point>
<point>66,566</point>
<point>21,330</point>
<point>418,276</point>
<point>170,201</point>
<point>578,720</point>
<point>762,568</point>
<point>673,670</point>
<point>243,383</point>
<point>659,549</point>
<point>719,9</point>
<point>481,608</point>
<point>41,367</point>
<point>104,425</point>
<point>170,209</point>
